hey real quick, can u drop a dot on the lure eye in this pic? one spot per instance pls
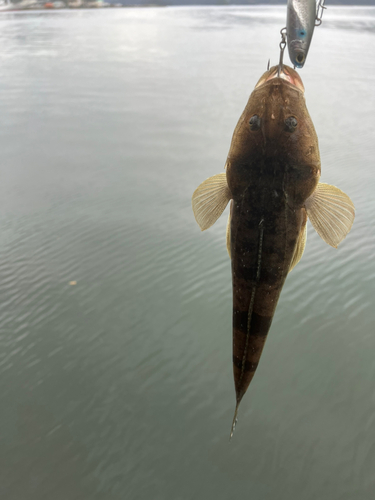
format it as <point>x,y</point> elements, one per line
<point>300,58</point>
<point>254,122</point>
<point>291,124</point>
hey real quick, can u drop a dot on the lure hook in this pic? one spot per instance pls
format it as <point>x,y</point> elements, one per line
<point>319,12</point>
<point>282,48</point>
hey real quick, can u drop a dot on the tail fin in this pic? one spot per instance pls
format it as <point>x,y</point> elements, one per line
<point>234,420</point>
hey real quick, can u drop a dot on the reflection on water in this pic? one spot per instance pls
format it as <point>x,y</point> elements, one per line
<point>120,386</point>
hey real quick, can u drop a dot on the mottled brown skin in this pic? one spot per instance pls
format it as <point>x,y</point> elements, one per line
<point>270,173</point>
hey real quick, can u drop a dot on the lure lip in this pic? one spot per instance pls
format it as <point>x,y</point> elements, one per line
<point>286,73</point>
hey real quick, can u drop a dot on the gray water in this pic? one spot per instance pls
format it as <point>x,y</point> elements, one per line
<point>120,386</point>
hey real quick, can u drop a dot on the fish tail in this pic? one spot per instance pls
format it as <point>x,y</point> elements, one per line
<point>234,419</point>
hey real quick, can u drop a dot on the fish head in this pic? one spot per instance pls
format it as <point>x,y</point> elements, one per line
<point>275,130</point>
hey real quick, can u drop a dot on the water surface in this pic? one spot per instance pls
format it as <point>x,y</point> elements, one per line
<point>120,386</point>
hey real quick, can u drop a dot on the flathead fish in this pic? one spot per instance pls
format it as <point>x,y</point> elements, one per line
<point>300,23</point>
<point>272,177</point>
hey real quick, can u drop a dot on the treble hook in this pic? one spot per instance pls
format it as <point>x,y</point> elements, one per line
<point>282,48</point>
<point>319,12</point>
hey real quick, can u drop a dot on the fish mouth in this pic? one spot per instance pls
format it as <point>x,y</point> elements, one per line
<point>286,73</point>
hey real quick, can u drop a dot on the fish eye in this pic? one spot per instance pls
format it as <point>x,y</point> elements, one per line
<point>254,122</point>
<point>291,124</point>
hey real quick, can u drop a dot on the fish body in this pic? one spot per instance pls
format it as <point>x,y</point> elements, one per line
<point>272,179</point>
<point>300,24</point>
<point>271,171</point>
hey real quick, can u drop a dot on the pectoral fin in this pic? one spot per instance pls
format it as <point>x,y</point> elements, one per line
<point>210,199</point>
<point>331,212</point>
<point>301,243</point>
<point>228,230</point>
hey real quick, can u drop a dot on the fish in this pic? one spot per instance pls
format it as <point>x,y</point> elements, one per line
<point>300,24</point>
<point>272,181</point>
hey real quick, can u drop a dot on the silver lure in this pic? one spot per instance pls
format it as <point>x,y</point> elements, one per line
<point>300,24</point>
